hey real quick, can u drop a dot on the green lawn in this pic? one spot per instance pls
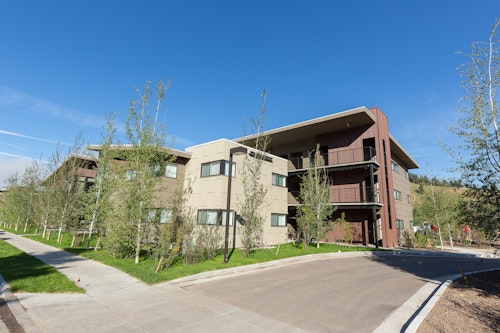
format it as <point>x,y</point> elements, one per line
<point>25,273</point>
<point>144,270</point>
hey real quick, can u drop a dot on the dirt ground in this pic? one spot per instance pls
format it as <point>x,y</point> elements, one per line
<point>467,306</point>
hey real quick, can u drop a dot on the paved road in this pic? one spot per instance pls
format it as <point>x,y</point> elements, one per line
<point>336,295</point>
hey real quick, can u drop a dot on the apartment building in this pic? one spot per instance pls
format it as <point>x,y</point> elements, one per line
<point>366,168</point>
<point>367,171</point>
<point>202,173</point>
<point>207,176</point>
<point>81,167</point>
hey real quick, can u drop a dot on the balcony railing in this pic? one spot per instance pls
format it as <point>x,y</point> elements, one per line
<point>343,195</point>
<point>333,158</point>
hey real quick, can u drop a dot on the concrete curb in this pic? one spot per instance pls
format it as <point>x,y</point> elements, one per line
<point>228,272</point>
<point>416,320</point>
<point>17,309</point>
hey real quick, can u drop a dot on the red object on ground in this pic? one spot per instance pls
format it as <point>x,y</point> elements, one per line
<point>434,228</point>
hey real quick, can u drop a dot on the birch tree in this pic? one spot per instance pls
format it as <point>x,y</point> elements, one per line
<point>142,161</point>
<point>100,205</point>
<point>315,204</point>
<point>31,186</point>
<point>255,191</point>
<point>11,206</point>
<point>478,154</point>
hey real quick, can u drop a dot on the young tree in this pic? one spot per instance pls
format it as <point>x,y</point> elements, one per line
<point>64,188</point>
<point>478,156</point>
<point>11,204</point>
<point>175,232</point>
<point>31,186</point>
<point>98,197</point>
<point>143,160</point>
<point>315,204</point>
<point>438,206</point>
<point>345,229</point>
<point>255,191</point>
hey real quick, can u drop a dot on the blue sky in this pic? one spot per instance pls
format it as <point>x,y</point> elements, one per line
<point>64,65</point>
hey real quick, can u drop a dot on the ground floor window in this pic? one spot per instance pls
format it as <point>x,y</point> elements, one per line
<point>165,215</point>
<point>400,224</point>
<point>214,217</point>
<point>278,220</point>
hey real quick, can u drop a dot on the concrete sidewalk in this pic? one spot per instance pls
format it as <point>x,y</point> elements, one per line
<point>117,302</point>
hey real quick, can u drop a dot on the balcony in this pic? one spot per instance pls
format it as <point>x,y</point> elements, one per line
<point>335,159</point>
<point>351,195</point>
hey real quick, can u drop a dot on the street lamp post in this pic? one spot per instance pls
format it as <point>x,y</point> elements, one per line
<point>232,151</point>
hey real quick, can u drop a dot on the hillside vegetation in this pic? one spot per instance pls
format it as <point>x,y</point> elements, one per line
<point>447,209</point>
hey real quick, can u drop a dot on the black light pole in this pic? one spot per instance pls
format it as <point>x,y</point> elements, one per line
<point>228,207</point>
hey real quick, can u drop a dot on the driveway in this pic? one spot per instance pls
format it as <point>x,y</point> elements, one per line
<point>340,294</point>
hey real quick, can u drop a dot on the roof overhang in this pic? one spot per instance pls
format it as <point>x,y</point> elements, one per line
<point>332,123</point>
<point>401,154</point>
<point>166,150</point>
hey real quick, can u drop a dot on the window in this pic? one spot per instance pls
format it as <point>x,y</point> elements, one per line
<point>217,168</point>
<point>171,171</point>
<point>155,170</point>
<point>395,166</point>
<point>400,224</point>
<point>397,195</point>
<point>409,198</point>
<point>278,220</point>
<point>214,217</point>
<point>165,215</point>
<point>279,180</point>
<point>150,215</point>
<point>130,175</point>
<point>226,169</point>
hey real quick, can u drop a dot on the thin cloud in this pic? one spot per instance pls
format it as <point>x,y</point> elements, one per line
<point>15,99</point>
<point>10,145</point>
<point>14,155</point>
<point>27,136</point>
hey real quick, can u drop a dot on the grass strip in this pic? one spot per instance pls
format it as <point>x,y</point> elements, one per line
<point>25,273</point>
<point>145,269</point>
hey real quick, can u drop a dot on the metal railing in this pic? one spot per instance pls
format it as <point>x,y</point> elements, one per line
<point>344,194</point>
<point>333,157</point>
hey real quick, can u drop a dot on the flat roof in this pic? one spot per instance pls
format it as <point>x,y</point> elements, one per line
<point>334,122</point>
<point>401,154</point>
<point>339,121</point>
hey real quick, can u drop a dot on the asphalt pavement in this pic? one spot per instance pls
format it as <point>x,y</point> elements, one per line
<point>117,302</point>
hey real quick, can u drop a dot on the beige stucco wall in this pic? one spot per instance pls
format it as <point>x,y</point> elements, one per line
<point>211,192</point>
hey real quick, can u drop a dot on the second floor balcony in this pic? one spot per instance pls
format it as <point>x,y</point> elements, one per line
<point>351,195</point>
<point>334,158</point>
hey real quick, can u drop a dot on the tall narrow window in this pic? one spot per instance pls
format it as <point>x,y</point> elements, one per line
<point>395,166</point>
<point>397,195</point>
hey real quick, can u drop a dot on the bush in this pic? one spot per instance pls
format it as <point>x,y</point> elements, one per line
<point>422,239</point>
<point>208,244</point>
<point>408,239</point>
